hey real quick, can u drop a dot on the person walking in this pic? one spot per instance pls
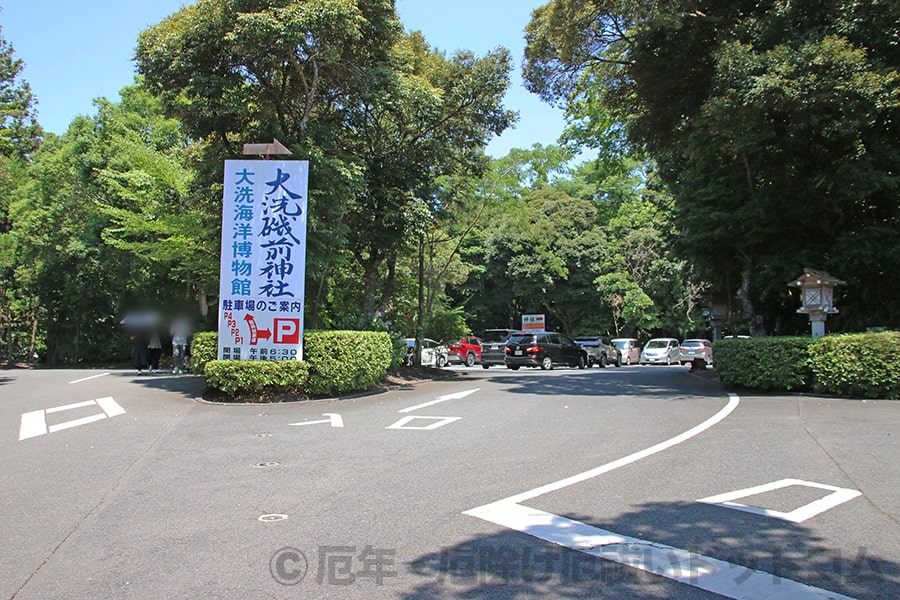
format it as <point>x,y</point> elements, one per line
<point>154,351</point>
<point>180,332</point>
<point>139,343</point>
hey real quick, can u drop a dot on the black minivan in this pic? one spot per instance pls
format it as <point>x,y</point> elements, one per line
<point>543,350</point>
<point>493,346</point>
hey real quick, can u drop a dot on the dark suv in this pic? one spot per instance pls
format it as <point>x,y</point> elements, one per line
<point>544,350</point>
<point>493,346</point>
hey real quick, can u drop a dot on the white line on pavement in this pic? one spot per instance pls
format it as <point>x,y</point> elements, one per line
<point>76,423</point>
<point>110,407</point>
<point>711,574</point>
<point>733,402</point>
<point>89,378</point>
<point>32,424</point>
<point>704,572</point>
<point>57,409</point>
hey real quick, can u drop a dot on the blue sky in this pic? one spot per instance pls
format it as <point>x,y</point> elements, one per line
<point>76,51</point>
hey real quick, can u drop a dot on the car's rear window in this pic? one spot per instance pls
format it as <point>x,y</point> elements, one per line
<point>522,338</point>
<point>657,344</point>
<point>587,341</point>
<point>499,335</point>
<point>692,343</point>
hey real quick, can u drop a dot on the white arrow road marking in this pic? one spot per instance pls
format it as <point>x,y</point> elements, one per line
<point>334,419</point>
<point>34,423</point>
<point>439,399</point>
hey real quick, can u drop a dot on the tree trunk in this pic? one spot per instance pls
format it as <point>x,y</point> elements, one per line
<point>370,285</point>
<point>754,321</point>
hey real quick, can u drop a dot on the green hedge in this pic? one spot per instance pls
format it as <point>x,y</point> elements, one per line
<point>341,361</point>
<point>767,363</point>
<point>204,348</point>
<point>334,362</point>
<point>863,365</point>
<point>263,379</point>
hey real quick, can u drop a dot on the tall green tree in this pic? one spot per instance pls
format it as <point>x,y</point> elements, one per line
<point>20,136</point>
<point>104,222</point>
<point>774,126</point>
<point>379,114</point>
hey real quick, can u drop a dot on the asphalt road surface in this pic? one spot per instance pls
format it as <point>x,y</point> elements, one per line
<point>615,483</point>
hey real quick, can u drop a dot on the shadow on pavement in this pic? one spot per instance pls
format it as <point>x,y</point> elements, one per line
<point>512,565</point>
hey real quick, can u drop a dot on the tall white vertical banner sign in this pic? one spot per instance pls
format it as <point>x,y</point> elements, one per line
<point>263,268</point>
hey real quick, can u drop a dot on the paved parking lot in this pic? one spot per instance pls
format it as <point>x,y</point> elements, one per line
<point>637,482</point>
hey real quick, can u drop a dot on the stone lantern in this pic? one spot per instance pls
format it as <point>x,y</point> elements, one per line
<point>818,297</point>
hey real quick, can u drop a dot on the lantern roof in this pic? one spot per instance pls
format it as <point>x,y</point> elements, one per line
<point>813,278</point>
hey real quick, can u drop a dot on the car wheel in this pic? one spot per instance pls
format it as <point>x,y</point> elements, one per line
<point>547,363</point>
<point>602,361</point>
<point>470,360</point>
<point>618,362</point>
<point>513,367</point>
<point>485,366</point>
<point>590,361</point>
<point>441,362</point>
<point>581,362</point>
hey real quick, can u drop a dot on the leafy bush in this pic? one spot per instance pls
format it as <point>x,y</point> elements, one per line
<point>341,361</point>
<point>262,379</point>
<point>864,365</point>
<point>770,363</point>
<point>204,348</point>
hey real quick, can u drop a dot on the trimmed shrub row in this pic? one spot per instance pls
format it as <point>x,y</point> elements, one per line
<point>863,365</point>
<point>767,363</point>
<point>334,362</point>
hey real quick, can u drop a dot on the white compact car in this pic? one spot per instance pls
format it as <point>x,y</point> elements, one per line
<point>660,351</point>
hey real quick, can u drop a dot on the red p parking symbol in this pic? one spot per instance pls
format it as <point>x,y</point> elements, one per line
<point>287,331</point>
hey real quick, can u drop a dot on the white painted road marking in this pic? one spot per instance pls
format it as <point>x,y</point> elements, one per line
<point>34,423</point>
<point>704,572</point>
<point>404,423</point>
<point>733,403</point>
<point>711,574</point>
<point>89,378</point>
<point>439,399</point>
<point>837,497</point>
<point>334,419</point>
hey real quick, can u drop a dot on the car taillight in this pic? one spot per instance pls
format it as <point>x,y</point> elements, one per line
<point>509,350</point>
<point>534,350</point>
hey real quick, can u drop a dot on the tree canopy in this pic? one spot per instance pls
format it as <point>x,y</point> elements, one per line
<point>774,126</point>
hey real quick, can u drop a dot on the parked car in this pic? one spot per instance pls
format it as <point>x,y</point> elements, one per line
<point>660,351</point>
<point>600,350</point>
<point>493,346</point>
<point>544,350</point>
<point>433,353</point>
<point>466,351</point>
<point>695,348</point>
<point>629,349</point>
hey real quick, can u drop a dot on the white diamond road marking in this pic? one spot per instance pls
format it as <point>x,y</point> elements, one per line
<point>837,497</point>
<point>704,572</point>
<point>335,420</point>
<point>404,423</point>
<point>34,423</point>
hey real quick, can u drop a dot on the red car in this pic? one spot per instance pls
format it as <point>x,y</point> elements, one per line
<point>466,351</point>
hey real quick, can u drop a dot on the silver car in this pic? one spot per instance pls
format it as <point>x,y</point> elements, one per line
<point>660,351</point>
<point>695,348</point>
